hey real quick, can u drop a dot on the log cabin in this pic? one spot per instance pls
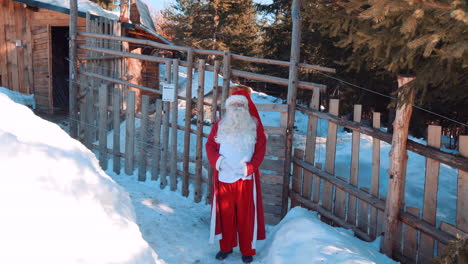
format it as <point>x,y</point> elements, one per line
<point>34,45</point>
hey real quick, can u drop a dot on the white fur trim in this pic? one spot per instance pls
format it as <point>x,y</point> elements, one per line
<point>213,221</point>
<point>254,240</point>
<point>245,170</point>
<point>234,98</point>
<point>218,162</point>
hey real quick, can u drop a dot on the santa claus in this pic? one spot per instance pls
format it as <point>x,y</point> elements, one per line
<point>235,149</point>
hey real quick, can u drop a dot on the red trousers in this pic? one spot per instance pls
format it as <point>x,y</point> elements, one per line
<point>237,214</point>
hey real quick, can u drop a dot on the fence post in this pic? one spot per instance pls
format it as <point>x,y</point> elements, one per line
<point>430,194</point>
<point>353,180</point>
<point>375,176</point>
<point>175,105</point>
<point>188,116</point>
<point>292,92</point>
<point>199,146</point>
<point>73,71</point>
<point>462,189</point>
<point>398,158</point>
<point>103,126</point>
<point>143,138</point>
<point>130,132</point>
<point>117,104</point>
<point>297,180</point>
<point>226,79</point>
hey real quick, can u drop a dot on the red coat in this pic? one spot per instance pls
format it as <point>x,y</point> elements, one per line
<point>212,151</point>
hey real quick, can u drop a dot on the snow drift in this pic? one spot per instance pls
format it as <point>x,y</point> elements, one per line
<point>58,206</point>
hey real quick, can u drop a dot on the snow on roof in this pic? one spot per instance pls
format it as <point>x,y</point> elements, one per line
<point>64,7</point>
<point>85,6</point>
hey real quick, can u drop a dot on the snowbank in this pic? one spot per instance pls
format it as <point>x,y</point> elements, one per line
<point>302,238</point>
<point>19,98</point>
<point>58,206</point>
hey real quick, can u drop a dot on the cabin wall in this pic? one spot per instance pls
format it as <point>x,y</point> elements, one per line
<point>27,68</point>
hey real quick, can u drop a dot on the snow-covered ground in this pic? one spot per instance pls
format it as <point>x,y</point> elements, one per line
<point>59,206</point>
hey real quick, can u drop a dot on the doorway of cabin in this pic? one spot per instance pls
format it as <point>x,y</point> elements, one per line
<point>60,69</point>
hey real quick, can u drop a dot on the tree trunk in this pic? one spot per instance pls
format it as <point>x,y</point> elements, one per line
<point>397,171</point>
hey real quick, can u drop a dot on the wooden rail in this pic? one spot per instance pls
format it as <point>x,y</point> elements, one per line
<point>454,161</point>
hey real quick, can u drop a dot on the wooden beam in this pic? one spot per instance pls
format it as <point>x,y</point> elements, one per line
<point>455,161</point>
<point>292,92</point>
<point>343,185</point>
<point>72,83</point>
<point>398,158</point>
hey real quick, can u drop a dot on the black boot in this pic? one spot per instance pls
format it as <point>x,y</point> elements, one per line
<point>247,259</point>
<point>222,255</point>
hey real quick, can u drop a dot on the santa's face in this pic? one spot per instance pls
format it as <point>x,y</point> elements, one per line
<point>237,121</point>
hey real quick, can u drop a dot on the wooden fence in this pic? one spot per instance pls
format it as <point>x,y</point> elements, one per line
<point>149,142</point>
<point>342,200</point>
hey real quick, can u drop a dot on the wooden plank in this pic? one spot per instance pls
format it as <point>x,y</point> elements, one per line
<point>103,127</point>
<point>83,90</point>
<point>462,189</point>
<point>309,178</point>
<point>20,30</point>
<point>165,134</point>
<point>410,246</point>
<point>271,189</point>
<point>214,118</point>
<point>272,178</point>
<point>51,74</point>
<point>188,117</point>
<point>330,156</point>
<point>116,124</point>
<point>340,201</point>
<point>271,165</point>
<point>363,213</point>
<point>297,176</point>
<point>430,193</point>
<point>143,144</point>
<point>175,107</point>
<point>90,128</point>
<point>373,224</point>
<point>164,145</point>
<point>157,141</point>
<point>199,146</point>
<point>282,108</point>
<point>276,148</point>
<point>345,186</point>
<point>130,133</point>
<point>270,130</point>
<point>28,60</point>
<point>455,232</point>
<point>3,50</point>
<point>226,79</point>
<point>352,205</point>
<point>12,57</point>
<point>458,162</point>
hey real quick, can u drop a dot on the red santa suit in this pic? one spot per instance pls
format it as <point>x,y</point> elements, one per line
<point>237,207</point>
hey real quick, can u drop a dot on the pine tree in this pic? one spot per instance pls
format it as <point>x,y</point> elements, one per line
<point>215,24</point>
<point>428,39</point>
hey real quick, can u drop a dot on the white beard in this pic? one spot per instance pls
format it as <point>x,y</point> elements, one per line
<point>237,126</point>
